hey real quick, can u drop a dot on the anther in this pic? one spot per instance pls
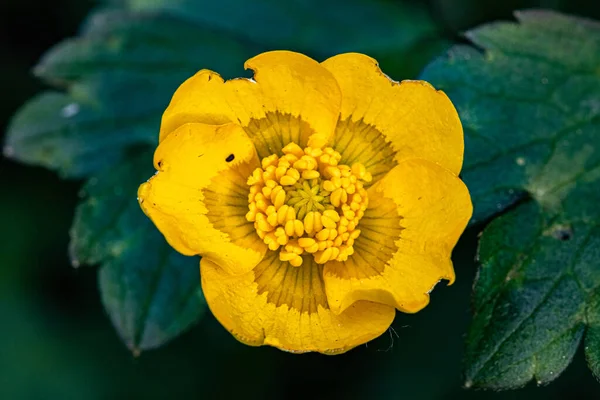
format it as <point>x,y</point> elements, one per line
<point>303,202</point>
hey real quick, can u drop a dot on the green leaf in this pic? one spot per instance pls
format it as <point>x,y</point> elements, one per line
<point>150,292</point>
<point>157,50</point>
<point>592,338</point>
<point>320,28</point>
<point>68,132</point>
<point>529,100</point>
<point>118,77</point>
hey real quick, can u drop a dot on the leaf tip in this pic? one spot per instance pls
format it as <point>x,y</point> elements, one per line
<point>38,71</point>
<point>136,351</point>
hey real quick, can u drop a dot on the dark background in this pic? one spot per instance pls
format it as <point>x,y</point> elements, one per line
<point>56,342</point>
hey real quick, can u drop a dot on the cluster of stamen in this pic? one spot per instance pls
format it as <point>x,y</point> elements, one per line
<point>304,202</point>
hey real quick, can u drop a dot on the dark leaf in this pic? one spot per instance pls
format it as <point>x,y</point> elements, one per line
<point>150,292</point>
<point>120,73</point>
<point>529,101</point>
<point>320,28</point>
<point>117,78</point>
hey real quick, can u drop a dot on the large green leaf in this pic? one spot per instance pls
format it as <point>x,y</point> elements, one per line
<point>117,78</point>
<point>321,28</point>
<point>118,75</point>
<point>151,292</point>
<point>529,99</point>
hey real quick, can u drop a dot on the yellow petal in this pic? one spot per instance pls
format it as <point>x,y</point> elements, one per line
<point>283,306</point>
<point>416,214</point>
<point>290,98</point>
<point>411,116</point>
<point>198,198</point>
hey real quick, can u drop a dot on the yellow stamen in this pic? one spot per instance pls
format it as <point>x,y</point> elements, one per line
<point>303,202</point>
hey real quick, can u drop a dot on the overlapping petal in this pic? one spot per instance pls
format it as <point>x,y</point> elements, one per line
<point>198,198</point>
<point>416,214</point>
<point>383,122</point>
<point>291,98</point>
<point>283,306</point>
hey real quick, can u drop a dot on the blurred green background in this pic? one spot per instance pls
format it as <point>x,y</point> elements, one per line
<point>56,341</point>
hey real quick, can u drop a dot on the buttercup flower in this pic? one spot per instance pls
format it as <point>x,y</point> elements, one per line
<point>321,196</point>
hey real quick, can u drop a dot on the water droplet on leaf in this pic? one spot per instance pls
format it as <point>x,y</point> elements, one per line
<point>70,110</point>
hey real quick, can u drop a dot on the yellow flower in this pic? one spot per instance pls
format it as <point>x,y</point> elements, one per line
<point>321,196</point>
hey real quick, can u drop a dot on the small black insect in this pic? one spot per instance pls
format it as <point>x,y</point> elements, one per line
<point>563,234</point>
<point>230,158</point>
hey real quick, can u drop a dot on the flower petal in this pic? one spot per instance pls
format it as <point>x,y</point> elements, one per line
<point>417,120</point>
<point>198,198</point>
<point>416,214</point>
<point>283,306</point>
<point>290,98</point>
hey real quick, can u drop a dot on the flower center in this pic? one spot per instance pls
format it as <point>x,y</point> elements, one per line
<point>304,202</point>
